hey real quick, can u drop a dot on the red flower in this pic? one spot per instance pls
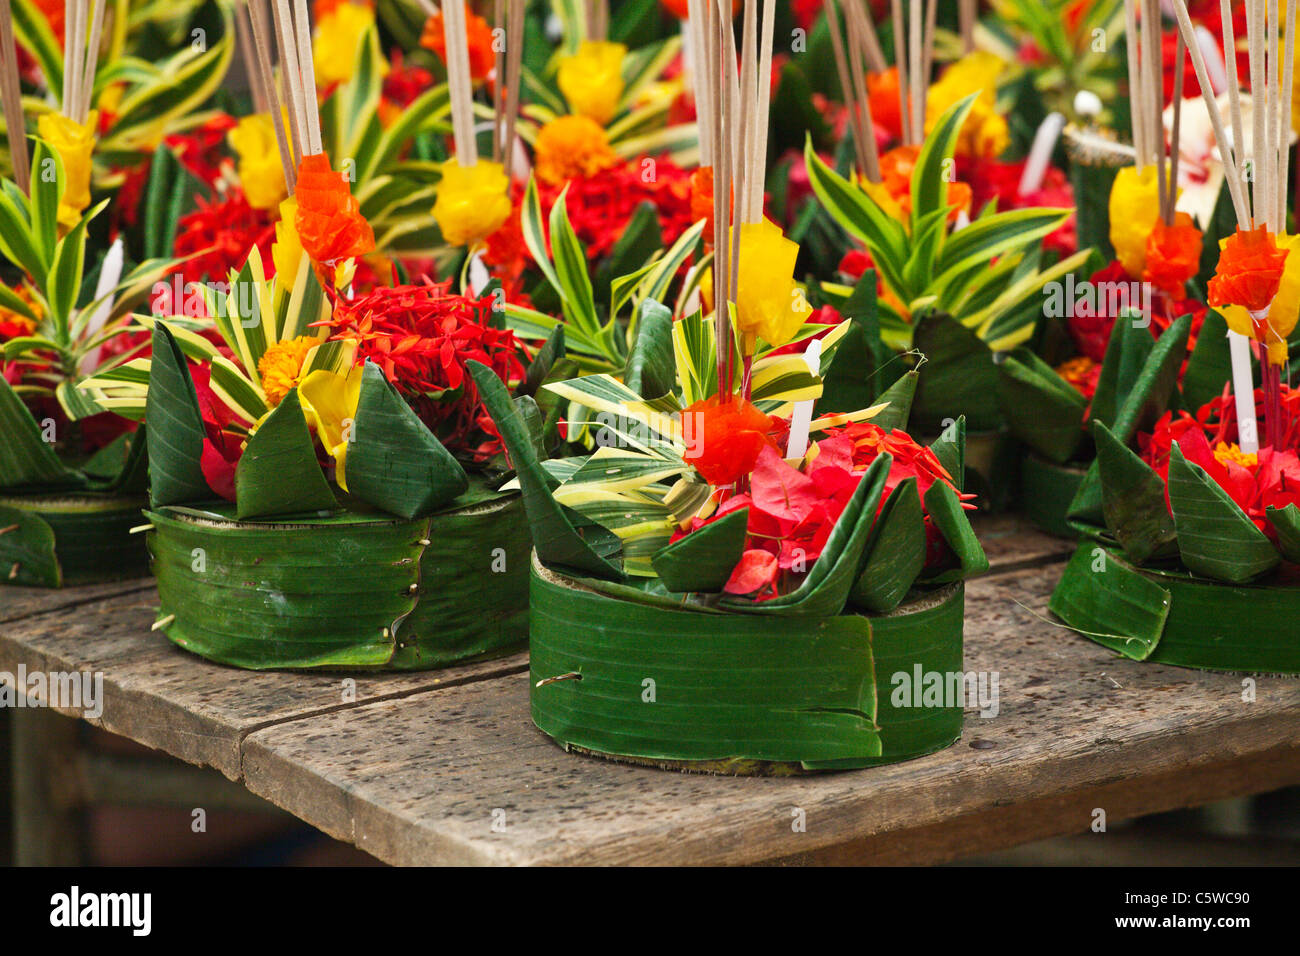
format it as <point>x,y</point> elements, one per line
<point>219,235</point>
<point>422,336</point>
<point>724,436</point>
<point>994,179</point>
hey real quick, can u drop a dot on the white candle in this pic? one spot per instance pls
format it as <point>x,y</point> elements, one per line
<point>1243,389</point>
<point>1040,154</point>
<point>109,275</point>
<point>801,418</point>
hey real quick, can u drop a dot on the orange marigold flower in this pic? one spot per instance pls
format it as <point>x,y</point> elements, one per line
<point>1173,255</point>
<point>481,55</point>
<point>329,221</point>
<point>280,366</point>
<point>572,147</point>
<point>1249,271</point>
<point>724,435</point>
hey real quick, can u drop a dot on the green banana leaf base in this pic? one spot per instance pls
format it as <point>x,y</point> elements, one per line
<point>1173,617</point>
<point>1046,490</point>
<point>736,693</point>
<point>349,591</point>
<point>58,539</point>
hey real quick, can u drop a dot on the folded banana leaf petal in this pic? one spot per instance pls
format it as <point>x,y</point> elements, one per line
<point>1156,386</point>
<point>1216,539</point>
<point>27,460</point>
<point>554,536</point>
<point>1111,602</point>
<point>278,473</point>
<point>1171,617</point>
<point>176,432</point>
<point>659,685</point>
<point>1046,490</point>
<point>1044,411</point>
<point>950,449</point>
<point>1286,522</point>
<point>899,398</point>
<point>945,510</point>
<point>436,590</point>
<point>394,462</point>
<point>825,589</point>
<point>1127,351</point>
<point>1132,500</point>
<point>895,552</point>
<point>958,377</point>
<point>88,539</point>
<point>1210,366</point>
<point>703,560</point>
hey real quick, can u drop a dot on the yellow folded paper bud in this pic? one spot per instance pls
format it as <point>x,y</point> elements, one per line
<point>75,144</point>
<point>334,47</point>
<point>1134,209</point>
<point>769,304</point>
<point>592,79</point>
<point>473,201</point>
<point>260,172</point>
<point>329,403</point>
<point>984,134</point>
<point>1282,314</point>
<point>286,250</point>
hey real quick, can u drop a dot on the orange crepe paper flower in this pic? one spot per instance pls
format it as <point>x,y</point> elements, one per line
<point>329,221</point>
<point>1249,271</point>
<point>702,200</point>
<point>724,436</point>
<point>482,58</point>
<point>1173,255</point>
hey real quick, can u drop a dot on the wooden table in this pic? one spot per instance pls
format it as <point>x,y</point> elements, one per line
<point>446,766</point>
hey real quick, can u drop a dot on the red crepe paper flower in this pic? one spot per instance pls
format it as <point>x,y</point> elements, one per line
<point>724,436</point>
<point>329,220</point>
<point>422,336</point>
<point>1249,271</point>
<point>1173,255</point>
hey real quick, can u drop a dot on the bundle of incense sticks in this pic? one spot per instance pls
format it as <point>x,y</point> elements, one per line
<point>460,82</point>
<point>914,51</point>
<point>740,108</point>
<point>1264,164</point>
<point>82,32</point>
<point>11,96</point>
<point>1146,99</point>
<point>509,65</point>
<point>597,16</point>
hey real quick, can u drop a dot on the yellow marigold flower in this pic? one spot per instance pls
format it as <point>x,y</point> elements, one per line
<point>1224,453</point>
<point>984,134</point>
<point>329,403</point>
<point>286,250</point>
<point>260,172</point>
<point>592,79</point>
<point>1134,209</point>
<point>281,365</point>
<point>768,303</point>
<point>334,47</point>
<point>572,147</point>
<point>1282,314</point>
<point>75,143</point>
<point>473,201</point>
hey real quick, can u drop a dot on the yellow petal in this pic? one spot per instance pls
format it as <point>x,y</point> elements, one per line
<point>473,201</point>
<point>329,403</point>
<point>592,79</point>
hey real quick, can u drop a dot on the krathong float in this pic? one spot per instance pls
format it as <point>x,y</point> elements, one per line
<point>1192,560</point>
<point>710,526</point>
<point>302,436</point>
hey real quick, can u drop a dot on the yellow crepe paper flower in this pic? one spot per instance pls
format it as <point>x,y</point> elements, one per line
<point>473,201</point>
<point>286,250</point>
<point>260,172</point>
<point>592,79</point>
<point>768,303</point>
<point>75,143</point>
<point>984,134</point>
<point>572,147</point>
<point>329,403</point>
<point>1282,314</point>
<point>1134,209</point>
<point>334,47</point>
<point>281,364</point>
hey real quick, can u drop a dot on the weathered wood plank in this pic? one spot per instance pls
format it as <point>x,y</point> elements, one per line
<point>18,603</point>
<point>171,700</point>
<point>424,779</point>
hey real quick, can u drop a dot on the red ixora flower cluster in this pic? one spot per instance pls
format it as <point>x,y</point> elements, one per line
<point>421,336</point>
<point>226,229</point>
<point>1270,478</point>
<point>601,206</point>
<point>792,512</point>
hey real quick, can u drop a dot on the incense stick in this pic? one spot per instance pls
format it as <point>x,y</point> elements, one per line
<point>514,64</point>
<point>498,115</point>
<point>900,58</point>
<point>307,67</point>
<point>248,54</point>
<point>1137,121</point>
<point>266,81</point>
<point>11,94</point>
<point>861,103</point>
<point>92,59</point>
<point>460,82</point>
<point>967,14</point>
<point>1176,137</point>
<point>290,78</point>
<point>916,66</point>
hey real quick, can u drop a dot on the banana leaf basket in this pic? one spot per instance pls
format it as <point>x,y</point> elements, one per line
<point>666,675</point>
<point>1170,568</point>
<point>61,524</point>
<point>417,565</point>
